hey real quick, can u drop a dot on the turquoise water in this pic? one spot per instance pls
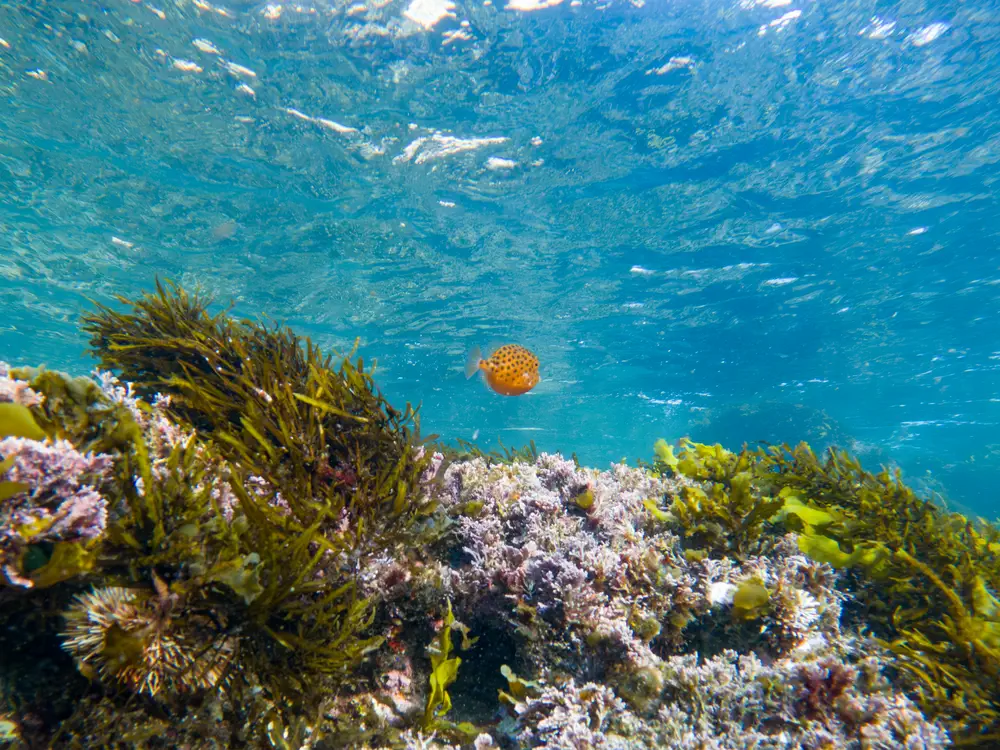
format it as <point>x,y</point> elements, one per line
<point>738,221</point>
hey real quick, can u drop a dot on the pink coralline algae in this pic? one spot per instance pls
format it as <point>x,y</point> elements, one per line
<point>628,642</point>
<point>731,702</point>
<point>60,501</point>
<point>16,391</point>
<point>162,434</point>
<point>54,471</point>
<point>572,716</point>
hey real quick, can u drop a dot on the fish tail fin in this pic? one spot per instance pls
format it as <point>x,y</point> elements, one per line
<point>472,361</point>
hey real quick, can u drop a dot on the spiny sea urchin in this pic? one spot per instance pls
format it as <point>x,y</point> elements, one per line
<point>133,638</point>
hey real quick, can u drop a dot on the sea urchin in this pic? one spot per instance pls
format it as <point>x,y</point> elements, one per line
<point>131,637</point>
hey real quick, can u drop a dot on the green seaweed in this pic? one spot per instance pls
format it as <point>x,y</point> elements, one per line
<point>665,457</point>
<point>67,561</point>
<point>719,511</point>
<point>517,689</point>
<point>585,499</point>
<point>467,450</point>
<point>76,409</point>
<point>928,574</point>
<point>928,570</point>
<point>16,420</point>
<point>750,601</point>
<point>271,402</point>
<point>444,671</point>
<point>9,488</point>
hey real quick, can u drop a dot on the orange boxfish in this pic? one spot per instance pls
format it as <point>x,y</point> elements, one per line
<point>511,370</point>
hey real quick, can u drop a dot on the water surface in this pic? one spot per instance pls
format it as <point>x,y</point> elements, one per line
<point>739,221</point>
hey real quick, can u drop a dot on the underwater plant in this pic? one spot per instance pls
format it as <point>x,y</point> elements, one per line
<point>243,483</point>
<point>273,402</point>
<point>720,512</point>
<point>929,576</point>
<point>923,576</point>
<point>467,450</point>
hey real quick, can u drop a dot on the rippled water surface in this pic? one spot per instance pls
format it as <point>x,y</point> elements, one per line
<point>741,221</point>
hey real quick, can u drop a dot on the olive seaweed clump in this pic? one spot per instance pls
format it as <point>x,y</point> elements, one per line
<point>242,485</point>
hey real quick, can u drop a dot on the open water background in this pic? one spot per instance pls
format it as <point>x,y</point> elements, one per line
<point>737,221</point>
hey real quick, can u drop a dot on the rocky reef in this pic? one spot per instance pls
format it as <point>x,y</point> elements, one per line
<point>225,538</point>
